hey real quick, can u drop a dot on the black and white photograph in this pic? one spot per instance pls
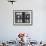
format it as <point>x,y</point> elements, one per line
<point>22,17</point>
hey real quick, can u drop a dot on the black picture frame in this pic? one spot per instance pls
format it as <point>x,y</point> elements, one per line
<point>20,12</point>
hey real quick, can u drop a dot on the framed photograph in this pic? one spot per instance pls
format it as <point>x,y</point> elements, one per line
<point>22,17</point>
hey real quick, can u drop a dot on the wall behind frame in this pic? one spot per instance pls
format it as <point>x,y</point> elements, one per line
<point>38,30</point>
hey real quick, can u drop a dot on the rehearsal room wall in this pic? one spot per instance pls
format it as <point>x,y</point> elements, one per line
<point>37,31</point>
